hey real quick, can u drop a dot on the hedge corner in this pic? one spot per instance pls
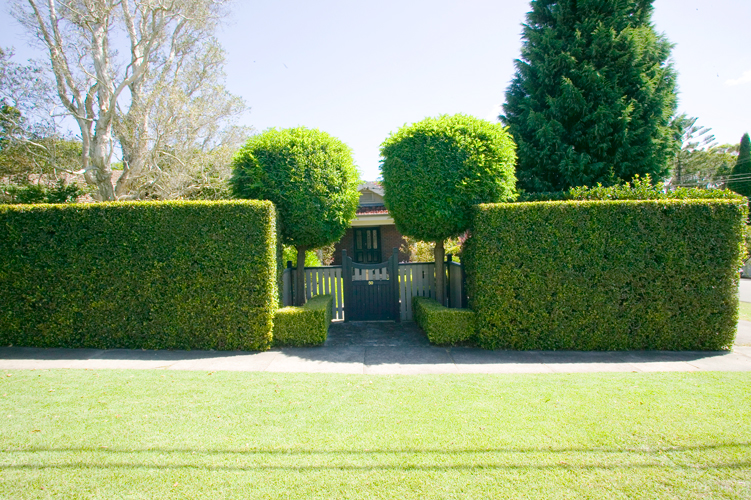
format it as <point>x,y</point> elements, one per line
<point>444,326</point>
<point>304,326</point>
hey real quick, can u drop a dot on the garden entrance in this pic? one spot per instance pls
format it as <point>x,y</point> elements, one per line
<point>413,279</point>
<point>371,291</point>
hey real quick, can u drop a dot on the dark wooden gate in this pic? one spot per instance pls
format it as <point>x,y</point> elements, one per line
<point>371,291</point>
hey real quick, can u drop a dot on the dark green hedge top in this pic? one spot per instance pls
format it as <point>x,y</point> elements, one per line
<point>436,170</point>
<point>308,174</point>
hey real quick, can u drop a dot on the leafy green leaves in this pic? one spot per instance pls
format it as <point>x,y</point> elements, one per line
<point>592,96</point>
<point>306,325</point>
<point>310,177</point>
<point>444,326</point>
<point>606,275</point>
<point>436,170</point>
<point>153,275</point>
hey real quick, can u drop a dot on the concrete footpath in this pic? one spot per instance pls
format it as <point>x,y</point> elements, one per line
<point>385,348</point>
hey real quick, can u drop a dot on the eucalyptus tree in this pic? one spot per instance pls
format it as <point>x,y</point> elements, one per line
<point>113,98</point>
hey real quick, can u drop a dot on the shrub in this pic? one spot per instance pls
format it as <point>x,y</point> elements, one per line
<point>640,189</point>
<point>436,170</point>
<point>311,178</point>
<point>443,326</point>
<point>606,275</point>
<point>153,275</point>
<point>304,326</point>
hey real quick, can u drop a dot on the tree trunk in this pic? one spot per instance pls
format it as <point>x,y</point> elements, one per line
<point>440,291</point>
<point>300,274</point>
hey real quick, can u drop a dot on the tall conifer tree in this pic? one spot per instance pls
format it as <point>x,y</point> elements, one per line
<point>740,177</point>
<point>592,96</point>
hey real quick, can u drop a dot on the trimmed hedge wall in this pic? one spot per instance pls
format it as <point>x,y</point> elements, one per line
<point>606,275</point>
<point>443,325</point>
<point>306,325</point>
<point>152,275</point>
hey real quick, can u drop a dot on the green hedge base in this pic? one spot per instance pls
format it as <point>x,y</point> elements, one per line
<point>444,326</point>
<point>304,326</point>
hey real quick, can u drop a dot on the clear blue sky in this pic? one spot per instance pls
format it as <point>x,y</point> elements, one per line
<point>360,70</point>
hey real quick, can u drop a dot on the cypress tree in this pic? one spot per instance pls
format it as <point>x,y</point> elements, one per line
<point>592,95</point>
<point>740,177</point>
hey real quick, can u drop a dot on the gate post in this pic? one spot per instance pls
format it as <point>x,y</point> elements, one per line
<point>346,285</point>
<point>394,272</point>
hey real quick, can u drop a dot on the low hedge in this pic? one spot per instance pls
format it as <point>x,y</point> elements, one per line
<point>443,325</point>
<point>152,275</point>
<point>606,275</point>
<point>304,326</point>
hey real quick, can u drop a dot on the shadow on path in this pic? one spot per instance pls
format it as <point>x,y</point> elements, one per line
<point>381,348</point>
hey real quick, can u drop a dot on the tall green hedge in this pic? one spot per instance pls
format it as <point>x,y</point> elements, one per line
<point>153,275</point>
<point>606,275</point>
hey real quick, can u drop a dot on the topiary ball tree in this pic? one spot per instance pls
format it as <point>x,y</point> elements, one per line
<point>311,178</point>
<point>435,171</point>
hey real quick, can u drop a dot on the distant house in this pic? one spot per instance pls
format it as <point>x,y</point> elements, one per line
<point>373,234</point>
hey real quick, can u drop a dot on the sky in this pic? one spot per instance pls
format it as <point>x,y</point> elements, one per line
<point>361,70</point>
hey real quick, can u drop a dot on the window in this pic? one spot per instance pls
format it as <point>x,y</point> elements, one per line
<point>368,245</point>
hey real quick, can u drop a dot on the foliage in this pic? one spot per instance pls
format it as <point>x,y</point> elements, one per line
<point>325,254</point>
<point>592,95</point>
<point>641,188</point>
<point>606,275</point>
<point>304,326</point>
<point>699,161</point>
<point>152,275</point>
<point>310,177</point>
<point>436,170</point>
<point>290,255</point>
<point>192,134</point>
<point>32,148</point>
<point>144,76</point>
<point>422,251</point>
<point>741,175</point>
<point>36,193</point>
<point>443,326</point>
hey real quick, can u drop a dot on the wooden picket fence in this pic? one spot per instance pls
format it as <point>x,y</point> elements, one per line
<point>415,279</point>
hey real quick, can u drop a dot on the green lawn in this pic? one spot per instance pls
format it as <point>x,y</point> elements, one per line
<point>159,434</point>
<point>744,311</point>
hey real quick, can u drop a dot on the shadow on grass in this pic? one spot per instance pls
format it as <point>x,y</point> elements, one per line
<point>382,451</point>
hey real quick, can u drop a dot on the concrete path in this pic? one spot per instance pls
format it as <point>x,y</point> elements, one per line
<point>744,290</point>
<point>385,348</point>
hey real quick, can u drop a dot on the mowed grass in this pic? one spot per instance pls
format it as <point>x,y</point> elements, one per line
<point>744,311</point>
<point>159,434</point>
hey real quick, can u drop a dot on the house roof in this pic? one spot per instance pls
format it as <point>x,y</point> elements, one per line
<point>371,186</point>
<point>371,209</point>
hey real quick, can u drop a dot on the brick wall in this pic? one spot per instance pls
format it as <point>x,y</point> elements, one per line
<point>390,238</point>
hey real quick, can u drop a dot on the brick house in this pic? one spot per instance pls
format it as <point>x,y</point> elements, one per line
<point>373,234</point>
